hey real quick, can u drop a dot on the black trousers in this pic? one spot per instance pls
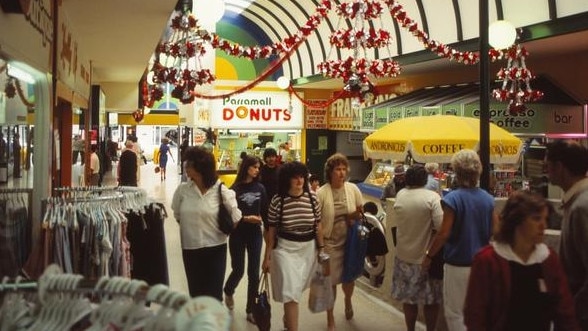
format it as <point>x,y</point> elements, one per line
<point>205,270</point>
<point>246,238</point>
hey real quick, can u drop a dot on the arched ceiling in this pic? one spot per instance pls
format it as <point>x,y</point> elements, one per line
<point>447,21</point>
<point>264,22</point>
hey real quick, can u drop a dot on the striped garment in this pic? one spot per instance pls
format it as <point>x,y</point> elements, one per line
<point>298,218</point>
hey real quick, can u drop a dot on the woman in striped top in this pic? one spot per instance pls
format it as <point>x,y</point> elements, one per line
<point>294,239</point>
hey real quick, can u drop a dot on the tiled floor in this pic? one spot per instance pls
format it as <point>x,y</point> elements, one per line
<point>370,312</point>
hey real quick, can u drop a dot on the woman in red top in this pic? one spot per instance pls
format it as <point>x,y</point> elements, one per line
<point>517,282</point>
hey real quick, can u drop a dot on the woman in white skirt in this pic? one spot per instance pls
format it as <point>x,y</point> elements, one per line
<point>294,239</point>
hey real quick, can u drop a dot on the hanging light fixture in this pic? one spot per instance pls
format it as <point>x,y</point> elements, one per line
<point>208,12</point>
<point>501,34</point>
<point>355,70</point>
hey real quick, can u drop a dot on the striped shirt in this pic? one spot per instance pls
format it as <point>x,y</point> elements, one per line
<point>298,219</point>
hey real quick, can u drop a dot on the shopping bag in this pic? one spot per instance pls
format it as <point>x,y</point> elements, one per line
<point>261,310</point>
<point>225,220</point>
<point>436,267</point>
<point>321,291</point>
<point>355,250</point>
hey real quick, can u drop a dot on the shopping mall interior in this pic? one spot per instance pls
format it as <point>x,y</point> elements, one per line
<point>245,75</point>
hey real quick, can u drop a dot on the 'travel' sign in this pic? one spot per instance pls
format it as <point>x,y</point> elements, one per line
<point>256,110</point>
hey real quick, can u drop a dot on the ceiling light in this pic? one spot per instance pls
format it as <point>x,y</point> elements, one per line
<point>283,82</point>
<point>501,34</point>
<point>208,12</point>
<point>20,74</point>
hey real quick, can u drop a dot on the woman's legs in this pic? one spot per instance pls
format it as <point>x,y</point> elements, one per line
<point>410,315</point>
<point>330,316</point>
<point>431,313</point>
<point>348,292</point>
<point>237,251</point>
<point>254,245</point>
<point>291,314</point>
<point>211,259</point>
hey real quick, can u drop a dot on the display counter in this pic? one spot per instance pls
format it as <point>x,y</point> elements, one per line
<point>373,186</point>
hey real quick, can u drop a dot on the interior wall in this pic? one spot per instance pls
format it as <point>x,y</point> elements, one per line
<point>120,96</point>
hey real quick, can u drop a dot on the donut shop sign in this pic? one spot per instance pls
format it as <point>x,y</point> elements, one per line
<point>257,110</point>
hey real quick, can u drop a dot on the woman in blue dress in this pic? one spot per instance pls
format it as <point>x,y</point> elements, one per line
<point>163,152</point>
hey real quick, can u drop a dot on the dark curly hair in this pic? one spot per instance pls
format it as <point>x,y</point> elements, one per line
<point>288,171</point>
<point>520,205</point>
<point>203,162</point>
<point>416,176</point>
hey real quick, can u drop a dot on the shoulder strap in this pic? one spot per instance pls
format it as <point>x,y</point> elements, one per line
<point>220,193</point>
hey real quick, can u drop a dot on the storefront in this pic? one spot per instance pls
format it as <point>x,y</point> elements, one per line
<point>253,121</point>
<point>557,115</point>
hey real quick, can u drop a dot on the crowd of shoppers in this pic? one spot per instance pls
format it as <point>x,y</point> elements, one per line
<point>497,275</point>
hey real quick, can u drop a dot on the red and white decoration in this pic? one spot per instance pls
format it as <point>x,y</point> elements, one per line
<point>516,87</point>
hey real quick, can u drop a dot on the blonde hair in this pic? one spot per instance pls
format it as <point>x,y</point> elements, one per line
<point>467,167</point>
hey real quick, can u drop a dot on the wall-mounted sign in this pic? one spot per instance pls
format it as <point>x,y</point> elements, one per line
<point>316,115</point>
<point>536,119</point>
<point>257,110</point>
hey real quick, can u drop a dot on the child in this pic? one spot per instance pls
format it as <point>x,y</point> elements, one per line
<point>315,183</point>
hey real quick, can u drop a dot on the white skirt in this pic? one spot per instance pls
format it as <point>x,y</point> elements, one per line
<point>291,269</point>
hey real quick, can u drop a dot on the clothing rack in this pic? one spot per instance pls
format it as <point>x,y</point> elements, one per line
<point>62,301</point>
<point>16,229</point>
<point>54,281</point>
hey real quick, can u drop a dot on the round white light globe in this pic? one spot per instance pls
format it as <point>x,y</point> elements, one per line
<point>501,34</point>
<point>208,12</point>
<point>283,82</point>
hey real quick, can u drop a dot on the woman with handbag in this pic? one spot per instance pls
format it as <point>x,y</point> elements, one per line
<point>246,237</point>
<point>341,206</point>
<point>294,239</point>
<point>196,208</point>
<point>417,211</point>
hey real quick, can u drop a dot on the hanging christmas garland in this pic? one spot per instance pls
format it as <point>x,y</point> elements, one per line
<point>516,87</point>
<point>355,70</point>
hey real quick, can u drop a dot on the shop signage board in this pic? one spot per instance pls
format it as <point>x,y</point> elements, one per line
<point>342,114</point>
<point>258,111</point>
<point>345,116</point>
<point>316,115</point>
<point>367,119</point>
<point>537,119</point>
<point>452,109</point>
<point>381,117</point>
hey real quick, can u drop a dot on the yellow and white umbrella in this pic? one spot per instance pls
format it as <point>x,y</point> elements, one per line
<point>436,138</point>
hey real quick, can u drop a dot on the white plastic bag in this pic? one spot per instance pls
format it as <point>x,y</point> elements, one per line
<point>321,291</point>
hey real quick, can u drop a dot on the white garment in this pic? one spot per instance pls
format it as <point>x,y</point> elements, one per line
<point>94,163</point>
<point>504,250</point>
<point>325,196</point>
<point>292,264</point>
<point>198,214</point>
<point>416,211</point>
<point>455,286</point>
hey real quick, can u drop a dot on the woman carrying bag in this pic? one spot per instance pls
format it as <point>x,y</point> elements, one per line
<point>294,232</point>
<point>342,205</point>
<point>196,208</point>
